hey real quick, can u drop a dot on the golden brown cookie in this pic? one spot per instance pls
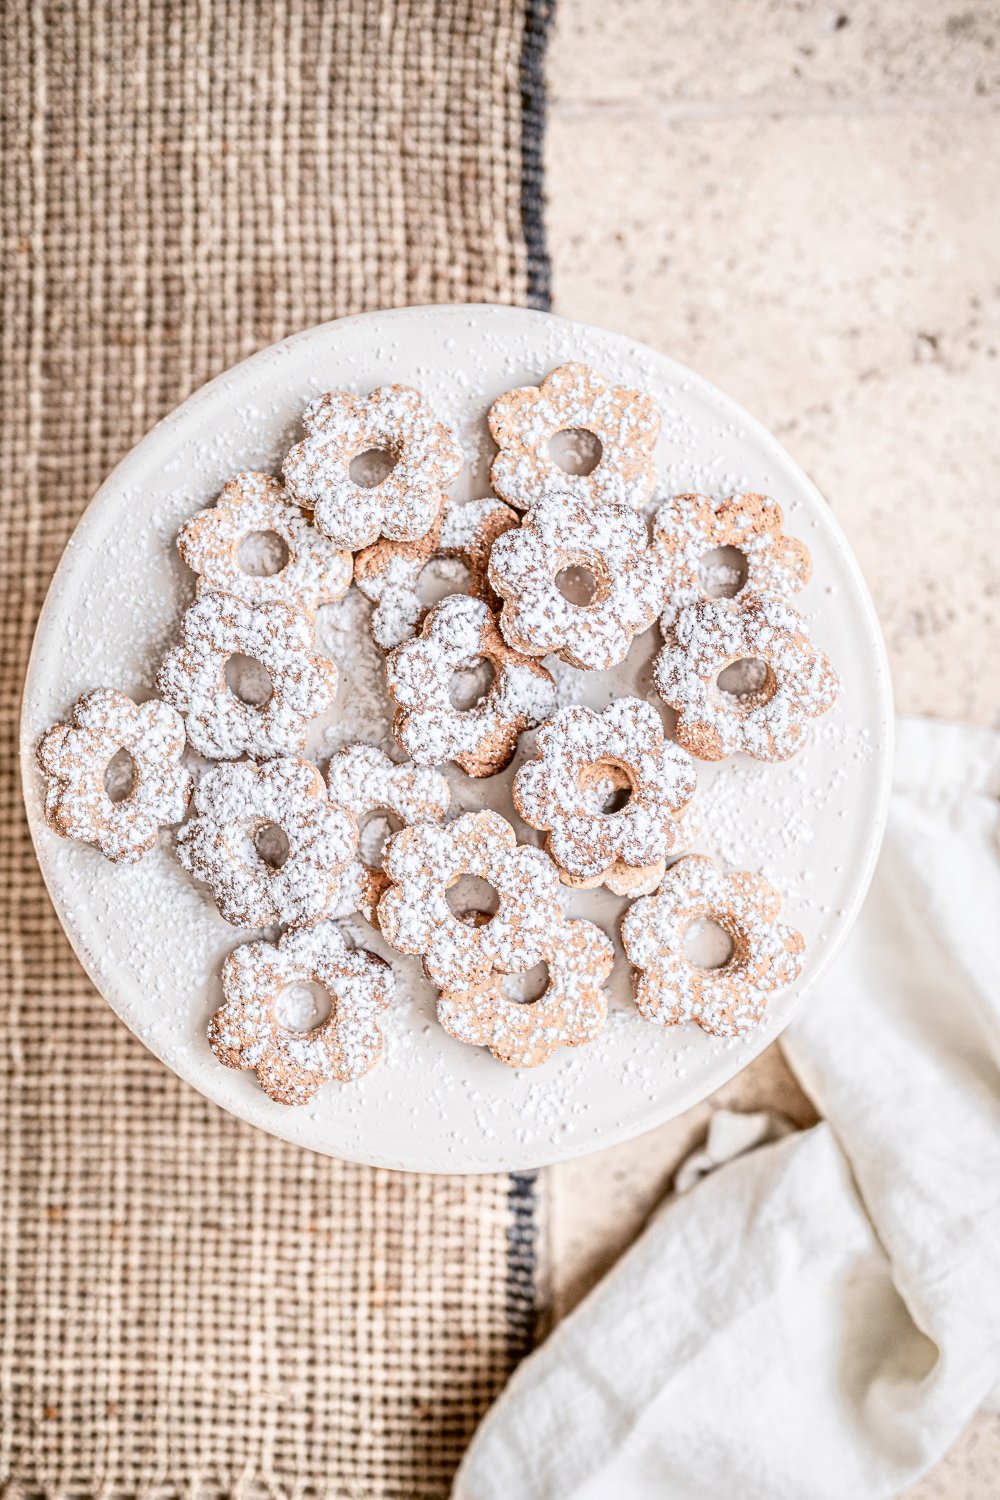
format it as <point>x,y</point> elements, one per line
<point>786,681</point>
<point>235,805</point>
<point>291,1065</point>
<point>481,739</point>
<point>340,427</point>
<point>75,757</point>
<point>608,543</point>
<point>222,726</point>
<point>570,1011</point>
<point>388,573</point>
<point>424,862</point>
<point>728,1000</point>
<point>574,396</point>
<point>581,756</point>
<point>315,572</point>
<point>687,529</point>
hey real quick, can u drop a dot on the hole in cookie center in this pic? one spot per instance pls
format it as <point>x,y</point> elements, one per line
<point>442,577</point>
<point>748,683</point>
<point>375,830</point>
<point>262,554</point>
<point>608,784</point>
<point>271,844</point>
<point>722,572</point>
<point>119,775</point>
<point>707,945</point>
<point>526,988</point>
<point>473,900</point>
<point>248,680</point>
<point>578,585</point>
<point>302,1007</point>
<point>370,468</point>
<point>575,450</point>
<point>471,683</point>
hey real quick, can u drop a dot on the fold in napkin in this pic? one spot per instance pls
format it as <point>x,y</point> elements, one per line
<point>820,1317</point>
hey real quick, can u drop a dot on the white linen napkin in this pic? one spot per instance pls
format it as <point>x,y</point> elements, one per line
<point>820,1318</point>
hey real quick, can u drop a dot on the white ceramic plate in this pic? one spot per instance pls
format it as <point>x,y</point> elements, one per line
<point>152,940</point>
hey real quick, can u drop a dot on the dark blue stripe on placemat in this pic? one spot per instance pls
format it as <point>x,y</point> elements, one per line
<point>522,1262</point>
<point>537,23</point>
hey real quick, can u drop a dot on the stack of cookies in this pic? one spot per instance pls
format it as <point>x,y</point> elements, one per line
<point>557,565</point>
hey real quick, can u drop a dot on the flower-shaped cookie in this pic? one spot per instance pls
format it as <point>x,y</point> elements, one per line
<point>583,754</point>
<point>222,726</point>
<point>574,397</point>
<point>687,527</point>
<point>481,739</point>
<point>340,426</point>
<point>75,757</point>
<point>570,1011</point>
<point>728,1000</point>
<point>233,807</point>
<point>388,573</point>
<point>365,781</point>
<point>560,534</point>
<point>250,504</point>
<point>415,916</point>
<point>292,1064</point>
<point>788,681</point>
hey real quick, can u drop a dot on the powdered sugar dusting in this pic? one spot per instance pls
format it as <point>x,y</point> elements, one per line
<point>767,721</point>
<point>626,422</point>
<point>363,780</point>
<point>611,543</point>
<point>481,739</point>
<point>424,862</point>
<point>74,758</point>
<point>211,544</point>
<point>728,1000</point>
<point>245,1031</point>
<point>687,527</point>
<point>220,843</point>
<point>389,573</point>
<point>217,627</point>
<point>569,1013</point>
<point>562,792</point>
<point>341,427</point>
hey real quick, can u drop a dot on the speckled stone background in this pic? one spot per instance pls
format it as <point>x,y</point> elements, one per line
<point>802,202</point>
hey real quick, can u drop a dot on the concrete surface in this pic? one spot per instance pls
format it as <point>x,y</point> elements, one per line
<point>801,202</point>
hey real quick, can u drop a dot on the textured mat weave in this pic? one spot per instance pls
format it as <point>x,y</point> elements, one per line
<point>187,1306</point>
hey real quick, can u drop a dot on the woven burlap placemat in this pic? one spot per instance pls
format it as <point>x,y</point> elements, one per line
<point>186,1305</point>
